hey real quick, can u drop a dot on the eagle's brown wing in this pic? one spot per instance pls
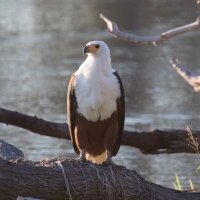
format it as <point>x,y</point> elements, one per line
<point>121,115</point>
<point>71,111</point>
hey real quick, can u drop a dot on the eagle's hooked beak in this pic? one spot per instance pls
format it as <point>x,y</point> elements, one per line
<point>86,50</point>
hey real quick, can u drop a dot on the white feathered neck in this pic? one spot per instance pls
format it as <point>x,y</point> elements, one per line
<point>96,87</point>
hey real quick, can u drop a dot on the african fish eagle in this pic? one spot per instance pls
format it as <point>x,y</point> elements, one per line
<point>96,106</point>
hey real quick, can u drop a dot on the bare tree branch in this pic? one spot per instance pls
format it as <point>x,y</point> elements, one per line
<point>61,179</point>
<point>34,124</point>
<point>190,77</point>
<point>114,30</point>
<point>152,142</point>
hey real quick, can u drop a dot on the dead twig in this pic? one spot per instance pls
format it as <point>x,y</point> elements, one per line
<point>190,77</point>
<point>116,32</point>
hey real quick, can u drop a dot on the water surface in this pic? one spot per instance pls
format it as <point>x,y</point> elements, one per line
<point>41,45</point>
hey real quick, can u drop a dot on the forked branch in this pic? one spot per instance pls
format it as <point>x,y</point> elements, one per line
<point>116,32</point>
<point>190,77</point>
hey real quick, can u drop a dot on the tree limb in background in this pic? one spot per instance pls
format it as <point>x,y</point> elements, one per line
<point>34,124</point>
<point>190,77</point>
<point>114,30</point>
<point>61,179</point>
<point>152,142</point>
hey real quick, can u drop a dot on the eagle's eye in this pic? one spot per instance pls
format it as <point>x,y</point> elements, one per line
<point>97,46</point>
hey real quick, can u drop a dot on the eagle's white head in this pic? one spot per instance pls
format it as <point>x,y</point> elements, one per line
<point>97,49</point>
<point>98,60</point>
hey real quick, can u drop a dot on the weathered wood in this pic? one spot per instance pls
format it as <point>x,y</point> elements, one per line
<point>27,198</point>
<point>116,32</point>
<point>60,178</point>
<point>190,77</point>
<point>161,141</point>
<point>152,142</point>
<point>9,152</point>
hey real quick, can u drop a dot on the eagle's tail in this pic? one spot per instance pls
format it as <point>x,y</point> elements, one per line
<point>97,159</point>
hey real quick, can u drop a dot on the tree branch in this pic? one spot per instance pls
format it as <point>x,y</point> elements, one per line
<point>152,142</point>
<point>190,77</point>
<point>34,124</point>
<point>114,30</point>
<point>66,179</point>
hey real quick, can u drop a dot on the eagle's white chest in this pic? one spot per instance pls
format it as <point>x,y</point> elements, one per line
<point>96,94</point>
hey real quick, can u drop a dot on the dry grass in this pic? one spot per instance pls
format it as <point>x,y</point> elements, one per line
<point>193,143</point>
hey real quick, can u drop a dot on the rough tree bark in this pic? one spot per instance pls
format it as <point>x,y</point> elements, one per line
<point>190,77</point>
<point>116,32</point>
<point>152,142</point>
<point>61,178</point>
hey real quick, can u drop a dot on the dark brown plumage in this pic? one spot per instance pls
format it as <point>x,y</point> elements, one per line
<point>95,137</point>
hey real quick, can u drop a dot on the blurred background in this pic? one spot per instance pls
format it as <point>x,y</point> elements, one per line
<point>41,45</point>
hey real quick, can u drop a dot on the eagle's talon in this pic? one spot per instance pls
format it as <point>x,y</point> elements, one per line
<point>113,165</point>
<point>81,160</point>
<point>108,162</point>
<point>121,167</point>
<point>105,164</point>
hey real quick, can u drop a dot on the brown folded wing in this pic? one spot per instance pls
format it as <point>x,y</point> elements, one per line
<point>71,111</point>
<point>121,115</point>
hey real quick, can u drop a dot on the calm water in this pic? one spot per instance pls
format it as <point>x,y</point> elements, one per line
<point>41,45</point>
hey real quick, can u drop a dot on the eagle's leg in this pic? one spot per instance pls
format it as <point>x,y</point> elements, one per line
<point>82,156</point>
<point>108,160</point>
<point>81,142</point>
<point>109,141</point>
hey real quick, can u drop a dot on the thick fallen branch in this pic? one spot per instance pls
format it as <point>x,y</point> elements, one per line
<point>152,142</point>
<point>190,77</point>
<point>114,30</point>
<point>58,179</point>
